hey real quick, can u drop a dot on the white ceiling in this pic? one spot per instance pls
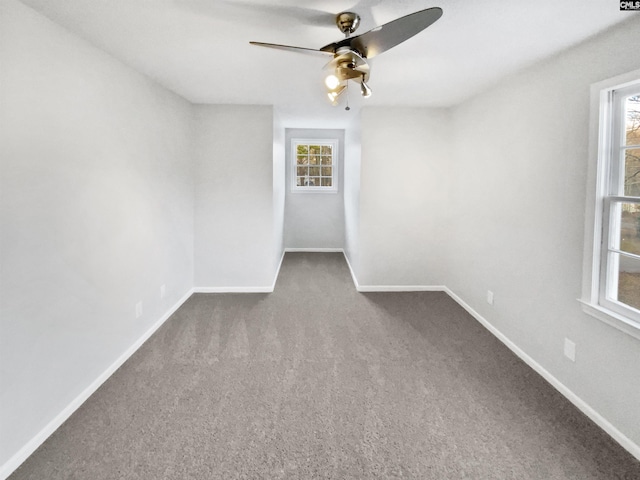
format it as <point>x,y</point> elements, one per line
<point>200,48</point>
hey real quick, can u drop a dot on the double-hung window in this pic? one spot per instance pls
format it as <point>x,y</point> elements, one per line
<point>615,286</point>
<point>314,165</point>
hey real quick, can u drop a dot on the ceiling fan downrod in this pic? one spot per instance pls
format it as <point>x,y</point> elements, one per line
<point>347,22</point>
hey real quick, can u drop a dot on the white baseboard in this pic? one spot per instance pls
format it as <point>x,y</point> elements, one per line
<point>266,289</point>
<point>19,457</point>
<point>401,288</point>
<point>317,250</point>
<point>353,274</point>
<point>275,279</point>
<point>16,460</point>
<point>584,407</point>
<point>233,290</point>
<point>391,288</point>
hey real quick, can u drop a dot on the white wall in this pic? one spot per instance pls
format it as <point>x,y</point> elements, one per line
<point>234,197</point>
<point>279,187</point>
<point>403,196</point>
<point>96,215</point>
<point>314,220</point>
<point>98,200</point>
<point>352,165</point>
<point>517,220</point>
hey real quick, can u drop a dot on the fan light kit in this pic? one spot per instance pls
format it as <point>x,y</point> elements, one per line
<point>332,82</point>
<point>350,55</point>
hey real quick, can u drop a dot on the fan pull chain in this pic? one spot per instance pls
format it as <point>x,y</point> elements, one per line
<point>347,108</point>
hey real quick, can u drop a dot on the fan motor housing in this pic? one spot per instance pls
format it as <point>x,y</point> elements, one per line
<point>348,22</point>
<point>349,65</point>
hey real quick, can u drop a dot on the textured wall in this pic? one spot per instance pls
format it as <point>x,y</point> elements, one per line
<point>403,196</point>
<point>96,214</point>
<point>517,220</point>
<point>352,165</point>
<point>233,167</point>
<point>279,187</point>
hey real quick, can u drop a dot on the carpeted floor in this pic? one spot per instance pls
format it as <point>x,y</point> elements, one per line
<point>318,381</point>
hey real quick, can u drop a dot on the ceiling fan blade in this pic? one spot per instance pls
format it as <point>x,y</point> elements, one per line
<point>384,37</point>
<point>290,48</point>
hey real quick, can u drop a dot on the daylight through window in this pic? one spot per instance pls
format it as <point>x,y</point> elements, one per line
<point>314,165</point>
<point>620,253</point>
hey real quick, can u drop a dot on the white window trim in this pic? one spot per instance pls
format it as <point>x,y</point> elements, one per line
<point>600,131</point>
<point>334,164</point>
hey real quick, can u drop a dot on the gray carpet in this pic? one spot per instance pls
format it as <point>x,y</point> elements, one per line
<point>318,381</point>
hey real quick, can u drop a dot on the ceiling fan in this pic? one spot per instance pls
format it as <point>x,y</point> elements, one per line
<point>350,55</point>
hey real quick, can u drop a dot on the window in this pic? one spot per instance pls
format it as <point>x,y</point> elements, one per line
<point>314,165</point>
<point>615,285</point>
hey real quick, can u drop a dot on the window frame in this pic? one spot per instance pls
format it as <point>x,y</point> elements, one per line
<point>333,142</point>
<point>606,134</point>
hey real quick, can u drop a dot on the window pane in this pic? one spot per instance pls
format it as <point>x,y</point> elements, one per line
<point>313,165</point>
<point>628,280</point>
<point>630,227</point>
<point>632,108</point>
<point>632,172</point>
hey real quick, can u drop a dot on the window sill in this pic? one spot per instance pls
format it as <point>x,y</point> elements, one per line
<point>612,318</point>
<point>321,192</point>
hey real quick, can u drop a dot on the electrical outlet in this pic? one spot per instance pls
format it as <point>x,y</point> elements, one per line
<point>570,349</point>
<point>138,309</point>
<point>163,291</point>
<point>489,297</point>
